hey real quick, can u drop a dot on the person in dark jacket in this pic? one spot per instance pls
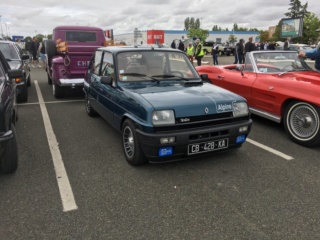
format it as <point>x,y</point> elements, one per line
<point>249,46</point>
<point>173,44</point>
<point>238,53</point>
<point>181,46</point>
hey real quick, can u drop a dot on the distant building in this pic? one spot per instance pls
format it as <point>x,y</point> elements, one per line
<point>167,36</point>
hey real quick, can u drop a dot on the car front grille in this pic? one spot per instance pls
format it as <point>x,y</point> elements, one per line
<point>202,122</point>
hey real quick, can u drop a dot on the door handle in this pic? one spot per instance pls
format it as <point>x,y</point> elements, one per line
<point>220,77</point>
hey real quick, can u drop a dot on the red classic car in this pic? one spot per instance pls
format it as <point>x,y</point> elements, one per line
<point>279,86</point>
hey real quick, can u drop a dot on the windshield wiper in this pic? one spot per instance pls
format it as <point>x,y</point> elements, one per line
<point>140,75</point>
<point>169,76</point>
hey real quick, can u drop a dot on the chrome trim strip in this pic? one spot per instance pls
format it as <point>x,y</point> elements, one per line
<point>72,82</point>
<point>266,115</point>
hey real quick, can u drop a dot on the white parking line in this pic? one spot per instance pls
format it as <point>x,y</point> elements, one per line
<point>269,149</point>
<point>66,194</point>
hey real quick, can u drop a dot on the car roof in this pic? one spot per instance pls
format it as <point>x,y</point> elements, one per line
<point>116,49</point>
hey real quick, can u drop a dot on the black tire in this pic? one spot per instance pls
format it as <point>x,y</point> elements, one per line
<point>29,81</point>
<point>58,91</point>
<point>51,50</point>
<point>131,146</point>
<point>23,95</point>
<point>9,158</point>
<point>90,111</point>
<point>302,123</point>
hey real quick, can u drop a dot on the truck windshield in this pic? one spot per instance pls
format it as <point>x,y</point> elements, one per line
<point>75,36</point>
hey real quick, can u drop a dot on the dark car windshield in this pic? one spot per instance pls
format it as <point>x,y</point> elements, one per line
<point>9,51</point>
<point>154,65</point>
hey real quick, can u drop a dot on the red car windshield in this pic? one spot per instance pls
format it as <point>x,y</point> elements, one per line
<point>275,61</point>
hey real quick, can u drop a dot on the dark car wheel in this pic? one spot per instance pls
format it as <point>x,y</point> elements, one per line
<point>49,79</point>
<point>9,158</point>
<point>90,111</point>
<point>29,81</point>
<point>131,146</point>
<point>302,123</point>
<point>58,91</point>
<point>23,95</point>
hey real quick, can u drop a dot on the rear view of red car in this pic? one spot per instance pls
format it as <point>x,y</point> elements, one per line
<point>68,55</point>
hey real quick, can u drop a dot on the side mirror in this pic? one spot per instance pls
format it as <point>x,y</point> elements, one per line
<point>25,56</point>
<point>106,80</point>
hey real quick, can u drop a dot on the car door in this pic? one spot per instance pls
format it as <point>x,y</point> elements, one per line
<point>107,93</point>
<point>93,80</point>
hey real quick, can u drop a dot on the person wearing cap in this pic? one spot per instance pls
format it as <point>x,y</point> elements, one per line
<point>199,53</point>
<point>314,54</point>
<point>190,52</point>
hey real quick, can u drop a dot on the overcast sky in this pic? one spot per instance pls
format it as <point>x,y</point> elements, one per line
<point>31,17</point>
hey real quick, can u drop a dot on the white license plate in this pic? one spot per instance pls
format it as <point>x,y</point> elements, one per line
<point>207,146</point>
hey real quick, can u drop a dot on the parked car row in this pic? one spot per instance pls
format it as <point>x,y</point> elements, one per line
<point>9,79</point>
<point>17,59</point>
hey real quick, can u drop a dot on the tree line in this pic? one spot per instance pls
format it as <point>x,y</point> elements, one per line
<point>309,35</point>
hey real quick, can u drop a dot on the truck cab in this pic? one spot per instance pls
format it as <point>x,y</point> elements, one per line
<point>68,55</point>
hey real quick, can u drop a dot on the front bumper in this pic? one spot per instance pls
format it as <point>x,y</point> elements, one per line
<point>73,82</point>
<point>150,143</point>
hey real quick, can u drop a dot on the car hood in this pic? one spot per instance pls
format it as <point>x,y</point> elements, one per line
<point>14,64</point>
<point>190,100</point>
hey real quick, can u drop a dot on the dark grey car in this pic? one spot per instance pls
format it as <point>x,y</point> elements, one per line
<point>17,59</point>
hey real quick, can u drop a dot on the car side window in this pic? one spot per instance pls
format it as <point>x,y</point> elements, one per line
<point>97,62</point>
<point>107,68</point>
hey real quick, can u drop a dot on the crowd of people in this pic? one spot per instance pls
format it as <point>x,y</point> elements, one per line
<point>36,51</point>
<point>195,50</point>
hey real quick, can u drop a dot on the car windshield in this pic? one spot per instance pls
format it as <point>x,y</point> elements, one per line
<point>154,65</point>
<point>279,61</point>
<point>9,51</point>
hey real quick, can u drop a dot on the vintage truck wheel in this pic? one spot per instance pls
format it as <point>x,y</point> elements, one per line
<point>9,158</point>
<point>302,123</point>
<point>131,146</point>
<point>51,50</point>
<point>58,91</point>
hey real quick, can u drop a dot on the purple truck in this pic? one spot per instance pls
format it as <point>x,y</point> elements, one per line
<point>68,55</point>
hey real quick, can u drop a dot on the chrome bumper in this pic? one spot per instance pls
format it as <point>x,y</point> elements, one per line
<point>71,82</point>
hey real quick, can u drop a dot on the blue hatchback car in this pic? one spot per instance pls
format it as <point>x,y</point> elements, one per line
<point>163,108</point>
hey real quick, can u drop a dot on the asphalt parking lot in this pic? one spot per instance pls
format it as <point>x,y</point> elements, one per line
<point>73,182</point>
